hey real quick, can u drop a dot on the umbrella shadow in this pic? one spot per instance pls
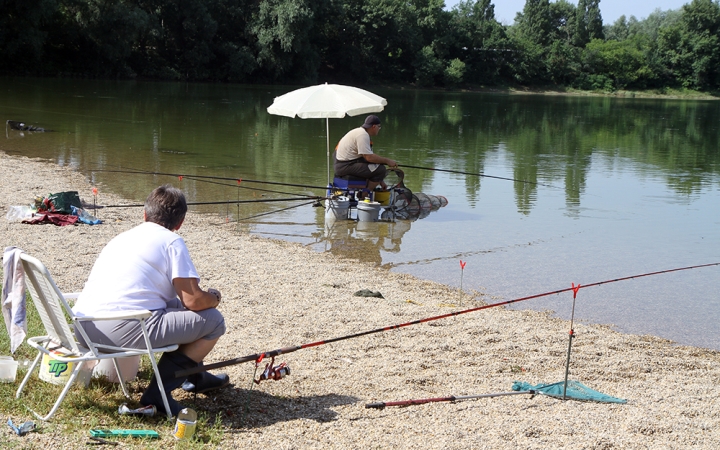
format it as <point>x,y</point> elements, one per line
<point>242,409</point>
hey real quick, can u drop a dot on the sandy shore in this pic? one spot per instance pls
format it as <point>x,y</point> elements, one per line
<point>278,294</point>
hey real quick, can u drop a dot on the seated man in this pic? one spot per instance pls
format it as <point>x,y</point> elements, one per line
<point>149,267</point>
<point>354,155</point>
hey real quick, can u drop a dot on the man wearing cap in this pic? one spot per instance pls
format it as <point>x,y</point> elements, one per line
<point>354,155</point>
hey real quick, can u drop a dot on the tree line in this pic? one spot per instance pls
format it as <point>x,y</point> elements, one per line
<point>362,41</point>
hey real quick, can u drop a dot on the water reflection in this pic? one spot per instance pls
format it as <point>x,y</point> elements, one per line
<point>363,240</point>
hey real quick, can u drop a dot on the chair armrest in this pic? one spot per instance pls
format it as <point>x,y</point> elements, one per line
<point>117,315</point>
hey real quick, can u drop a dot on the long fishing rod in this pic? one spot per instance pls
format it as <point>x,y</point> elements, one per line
<point>209,181</point>
<point>218,183</point>
<point>243,180</point>
<point>279,210</point>
<point>227,202</point>
<point>452,398</point>
<point>271,354</point>
<point>476,174</point>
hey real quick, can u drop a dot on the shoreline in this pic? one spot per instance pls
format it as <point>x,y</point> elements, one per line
<point>277,294</point>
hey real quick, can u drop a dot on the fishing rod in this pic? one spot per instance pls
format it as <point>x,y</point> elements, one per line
<point>227,202</point>
<point>201,179</point>
<point>217,183</point>
<point>476,174</point>
<point>280,210</point>
<point>452,398</point>
<point>208,177</point>
<point>271,354</point>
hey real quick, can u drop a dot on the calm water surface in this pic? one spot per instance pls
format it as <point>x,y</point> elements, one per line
<point>633,185</point>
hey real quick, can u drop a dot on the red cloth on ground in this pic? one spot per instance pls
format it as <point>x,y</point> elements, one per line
<point>53,218</point>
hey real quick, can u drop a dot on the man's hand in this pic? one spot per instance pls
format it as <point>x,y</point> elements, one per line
<point>216,293</point>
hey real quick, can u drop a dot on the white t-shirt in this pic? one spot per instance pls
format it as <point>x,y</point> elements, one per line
<point>355,144</point>
<point>135,271</point>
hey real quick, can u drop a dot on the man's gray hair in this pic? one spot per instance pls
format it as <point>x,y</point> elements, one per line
<point>166,206</point>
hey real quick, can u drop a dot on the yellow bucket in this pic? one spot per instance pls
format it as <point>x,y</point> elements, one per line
<point>58,372</point>
<point>382,197</point>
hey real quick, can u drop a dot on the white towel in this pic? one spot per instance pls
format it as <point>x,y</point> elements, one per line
<point>13,297</point>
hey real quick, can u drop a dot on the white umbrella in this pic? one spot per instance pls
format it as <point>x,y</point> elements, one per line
<point>326,101</point>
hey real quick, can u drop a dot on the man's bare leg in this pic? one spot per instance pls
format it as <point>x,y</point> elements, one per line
<point>198,350</point>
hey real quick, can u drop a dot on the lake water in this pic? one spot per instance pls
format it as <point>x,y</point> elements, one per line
<point>612,187</point>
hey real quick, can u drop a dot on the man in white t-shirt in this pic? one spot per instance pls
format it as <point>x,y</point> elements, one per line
<point>149,267</point>
<point>354,155</point>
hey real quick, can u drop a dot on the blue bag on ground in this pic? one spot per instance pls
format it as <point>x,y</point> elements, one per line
<point>84,216</point>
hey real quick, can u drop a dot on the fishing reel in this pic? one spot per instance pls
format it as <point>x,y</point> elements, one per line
<point>273,372</point>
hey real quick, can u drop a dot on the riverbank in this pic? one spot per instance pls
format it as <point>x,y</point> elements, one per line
<point>277,294</point>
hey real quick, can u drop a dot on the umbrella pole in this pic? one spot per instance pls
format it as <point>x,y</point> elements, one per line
<point>327,137</point>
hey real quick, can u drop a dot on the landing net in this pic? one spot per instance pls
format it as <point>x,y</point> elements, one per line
<point>575,391</point>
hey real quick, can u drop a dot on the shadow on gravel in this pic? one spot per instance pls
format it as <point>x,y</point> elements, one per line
<point>242,408</point>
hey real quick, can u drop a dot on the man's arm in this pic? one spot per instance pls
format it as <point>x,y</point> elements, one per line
<point>194,298</point>
<point>377,159</point>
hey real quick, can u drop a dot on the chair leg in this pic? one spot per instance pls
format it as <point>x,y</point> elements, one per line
<point>120,378</point>
<point>64,392</point>
<point>27,376</point>
<point>156,371</point>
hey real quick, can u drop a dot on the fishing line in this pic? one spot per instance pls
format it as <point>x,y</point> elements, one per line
<point>202,179</point>
<point>285,350</point>
<point>478,175</point>
<point>223,202</point>
<point>240,186</point>
<point>280,210</point>
<point>244,180</point>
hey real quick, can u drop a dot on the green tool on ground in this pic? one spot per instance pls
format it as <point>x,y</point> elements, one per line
<point>124,433</point>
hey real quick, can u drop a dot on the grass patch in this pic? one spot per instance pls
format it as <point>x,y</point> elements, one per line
<point>86,408</point>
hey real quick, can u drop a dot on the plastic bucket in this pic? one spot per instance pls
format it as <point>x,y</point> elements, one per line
<point>382,197</point>
<point>368,211</point>
<point>8,369</point>
<point>337,208</point>
<point>58,372</point>
<point>128,367</point>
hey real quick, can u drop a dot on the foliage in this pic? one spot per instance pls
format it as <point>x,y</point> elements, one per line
<point>380,41</point>
<point>619,61</point>
<point>690,48</point>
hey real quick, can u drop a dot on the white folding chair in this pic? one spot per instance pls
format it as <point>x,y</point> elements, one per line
<point>52,304</point>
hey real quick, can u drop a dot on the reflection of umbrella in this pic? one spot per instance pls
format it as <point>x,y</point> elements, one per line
<point>325,101</point>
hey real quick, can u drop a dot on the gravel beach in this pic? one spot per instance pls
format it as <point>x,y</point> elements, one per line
<point>278,294</point>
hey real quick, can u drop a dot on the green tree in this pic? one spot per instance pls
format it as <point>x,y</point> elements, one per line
<point>588,22</point>
<point>284,50</point>
<point>535,23</point>
<point>619,30</point>
<point>23,34</point>
<point>479,41</point>
<point>690,48</point>
<point>618,61</point>
<point>233,47</point>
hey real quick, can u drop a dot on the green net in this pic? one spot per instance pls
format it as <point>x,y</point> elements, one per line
<point>575,390</point>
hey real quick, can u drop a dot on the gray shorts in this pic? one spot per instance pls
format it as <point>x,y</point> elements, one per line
<point>173,325</point>
<point>359,168</point>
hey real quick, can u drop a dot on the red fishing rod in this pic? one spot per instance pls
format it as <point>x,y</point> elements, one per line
<point>271,354</point>
<point>452,398</point>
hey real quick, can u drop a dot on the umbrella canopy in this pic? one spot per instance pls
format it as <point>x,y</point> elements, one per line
<point>326,101</point>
